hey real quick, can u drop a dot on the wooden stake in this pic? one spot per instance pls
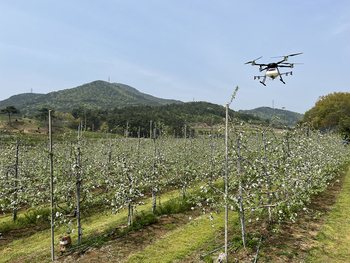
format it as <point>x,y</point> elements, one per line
<point>51,190</point>
<point>226,183</point>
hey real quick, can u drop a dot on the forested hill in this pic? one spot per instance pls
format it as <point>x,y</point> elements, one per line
<point>18,99</point>
<point>285,117</point>
<point>95,95</point>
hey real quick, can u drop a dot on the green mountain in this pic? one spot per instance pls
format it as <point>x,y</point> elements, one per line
<point>279,116</point>
<point>95,95</point>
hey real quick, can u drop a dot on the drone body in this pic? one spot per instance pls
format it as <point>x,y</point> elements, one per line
<point>272,69</point>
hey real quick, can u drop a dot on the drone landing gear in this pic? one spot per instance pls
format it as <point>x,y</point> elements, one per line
<point>279,73</point>
<point>263,82</point>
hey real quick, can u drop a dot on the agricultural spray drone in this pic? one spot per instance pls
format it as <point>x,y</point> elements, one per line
<point>272,69</point>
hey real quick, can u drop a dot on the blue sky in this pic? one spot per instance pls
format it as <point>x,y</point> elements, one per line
<point>176,49</point>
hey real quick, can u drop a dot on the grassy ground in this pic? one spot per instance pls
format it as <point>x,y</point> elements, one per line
<point>32,131</point>
<point>36,248</point>
<point>333,241</point>
<point>19,123</point>
<point>178,244</point>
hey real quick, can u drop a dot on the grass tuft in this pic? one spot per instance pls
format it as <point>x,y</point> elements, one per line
<point>144,220</point>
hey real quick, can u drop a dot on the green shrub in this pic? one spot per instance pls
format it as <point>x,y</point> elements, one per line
<point>144,220</point>
<point>36,216</point>
<point>174,206</point>
<point>31,217</point>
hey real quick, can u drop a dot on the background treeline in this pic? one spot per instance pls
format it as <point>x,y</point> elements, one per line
<point>170,118</point>
<point>331,112</point>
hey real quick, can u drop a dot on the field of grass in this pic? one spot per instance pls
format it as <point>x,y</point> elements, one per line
<point>178,244</point>
<point>333,241</point>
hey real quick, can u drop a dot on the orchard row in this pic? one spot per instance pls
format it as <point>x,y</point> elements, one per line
<point>269,172</point>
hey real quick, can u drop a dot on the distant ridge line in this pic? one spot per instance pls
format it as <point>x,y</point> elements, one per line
<point>94,95</point>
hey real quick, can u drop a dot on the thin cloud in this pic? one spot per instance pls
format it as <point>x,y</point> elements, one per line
<point>341,29</point>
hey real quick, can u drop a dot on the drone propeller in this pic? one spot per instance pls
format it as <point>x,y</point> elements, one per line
<point>291,55</point>
<point>286,57</point>
<point>253,61</point>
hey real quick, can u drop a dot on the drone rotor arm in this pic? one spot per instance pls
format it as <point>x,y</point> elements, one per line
<point>279,62</point>
<point>286,66</point>
<point>289,65</point>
